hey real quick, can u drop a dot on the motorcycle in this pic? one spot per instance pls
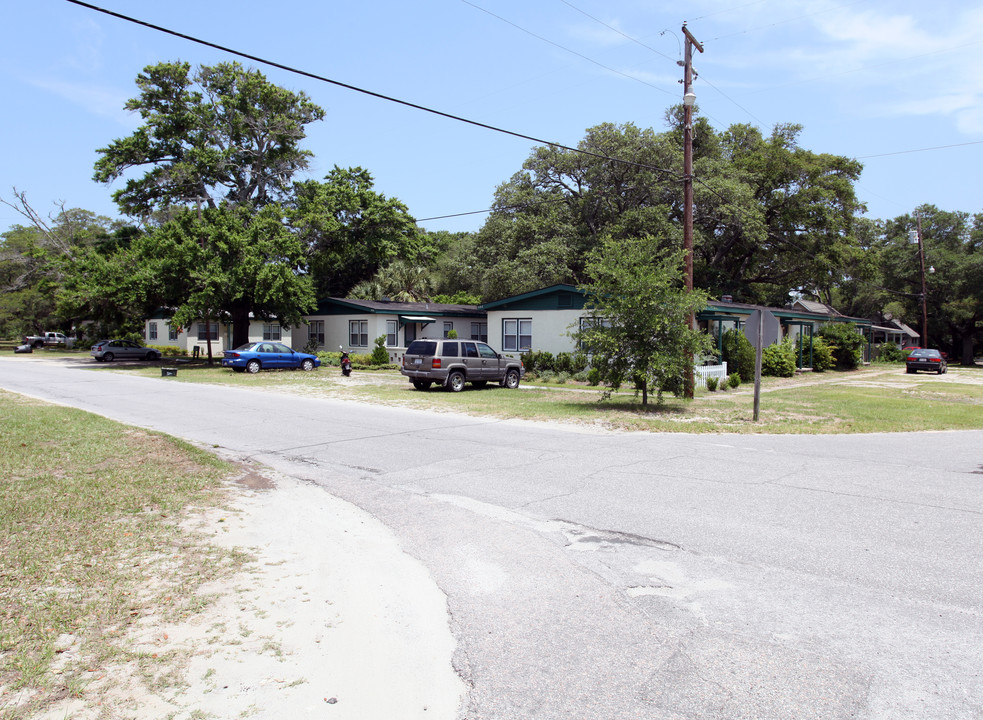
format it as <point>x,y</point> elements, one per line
<point>346,364</point>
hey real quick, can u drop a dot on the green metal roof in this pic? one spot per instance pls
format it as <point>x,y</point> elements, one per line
<point>555,297</point>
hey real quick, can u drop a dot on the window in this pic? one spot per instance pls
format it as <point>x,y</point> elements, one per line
<point>208,331</point>
<point>479,331</point>
<point>391,327</point>
<point>315,332</point>
<point>516,335</point>
<point>173,331</point>
<point>358,332</point>
<point>448,326</point>
<point>271,332</point>
<point>153,331</point>
<point>588,323</point>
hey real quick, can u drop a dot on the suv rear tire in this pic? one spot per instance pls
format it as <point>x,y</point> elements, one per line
<point>455,381</point>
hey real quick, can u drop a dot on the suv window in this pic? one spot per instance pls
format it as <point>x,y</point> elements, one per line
<point>422,347</point>
<point>469,350</point>
<point>486,351</point>
<point>450,349</point>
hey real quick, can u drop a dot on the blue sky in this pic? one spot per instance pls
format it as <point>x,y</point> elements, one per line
<point>868,79</point>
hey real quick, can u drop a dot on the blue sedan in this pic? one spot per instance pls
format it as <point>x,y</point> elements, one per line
<point>264,355</point>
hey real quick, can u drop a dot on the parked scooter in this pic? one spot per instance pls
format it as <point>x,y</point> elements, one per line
<point>346,364</point>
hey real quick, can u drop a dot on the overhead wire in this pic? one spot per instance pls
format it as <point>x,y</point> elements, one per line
<point>451,116</point>
<point>905,152</point>
<point>566,49</point>
<point>371,93</point>
<point>614,29</point>
<point>787,20</point>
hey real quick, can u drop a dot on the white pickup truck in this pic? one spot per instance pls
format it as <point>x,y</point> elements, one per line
<point>48,338</point>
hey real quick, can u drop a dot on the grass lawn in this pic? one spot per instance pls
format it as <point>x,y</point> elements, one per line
<point>879,398</point>
<point>90,544</point>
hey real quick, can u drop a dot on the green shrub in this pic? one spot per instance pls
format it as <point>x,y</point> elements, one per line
<point>846,344</point>
<point>891,353</point>
<point>594,376</point>
<point>822,355</point>
<point>169,350</point>
<point>537,361</point>
<point>329,358</point>
<point>712,384</point>
<point>452,334</point>
<point>379,356</point>
<point>570,362</point>
<point>562,378</point>
<point>778,359</point>
<point>734,379</point>
<point>738,353</point>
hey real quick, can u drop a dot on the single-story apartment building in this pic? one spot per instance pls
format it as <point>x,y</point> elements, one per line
<point>353,325</point>
<point>542,320</point>
<point>158,330</point>
<point>799,322</point>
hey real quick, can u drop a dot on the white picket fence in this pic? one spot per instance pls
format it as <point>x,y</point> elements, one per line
<point>702,372</point>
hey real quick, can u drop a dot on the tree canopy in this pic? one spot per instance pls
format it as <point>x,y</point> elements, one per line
<point>770,217</point>
<point>35,259</point>
<point>350,230</point>
<point>219,133</point>
<point>885,275</point>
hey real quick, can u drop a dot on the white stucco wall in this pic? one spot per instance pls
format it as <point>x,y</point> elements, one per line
<point>550,328</point>
<point>337,333</point>
<point>187,339</point>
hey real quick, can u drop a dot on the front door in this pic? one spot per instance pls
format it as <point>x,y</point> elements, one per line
<point>409,334</point>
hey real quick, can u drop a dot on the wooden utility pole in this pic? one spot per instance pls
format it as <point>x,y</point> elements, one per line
<point>689,97</point>
<point>921,260</point>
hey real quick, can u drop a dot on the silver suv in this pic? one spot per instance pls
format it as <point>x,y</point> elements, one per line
<point>452,363</point>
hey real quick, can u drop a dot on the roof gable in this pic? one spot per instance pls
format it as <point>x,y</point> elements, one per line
<point>346,306</point>
<point>555,297</point>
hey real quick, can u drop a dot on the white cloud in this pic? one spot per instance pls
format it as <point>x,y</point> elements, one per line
<point>94,99</point>
<point>87,54</point>
<point>969,121</point>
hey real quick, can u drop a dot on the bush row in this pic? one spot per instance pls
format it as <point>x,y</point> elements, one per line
<point>542,361</point>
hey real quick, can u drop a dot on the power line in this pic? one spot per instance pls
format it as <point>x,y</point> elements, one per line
<point>566,49</point>
<point>614,29</point>
<point>521,206</point>
<point>905,152</point>
<point>380,96</point>
<point>787,21</point>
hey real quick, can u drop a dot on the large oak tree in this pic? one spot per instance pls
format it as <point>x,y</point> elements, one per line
<point>226,140</point>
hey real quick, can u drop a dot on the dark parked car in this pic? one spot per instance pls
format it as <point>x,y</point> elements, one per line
<point>452,363</point>
<point>266,355</point>
<point>922,359</point>
<point>109,350</point>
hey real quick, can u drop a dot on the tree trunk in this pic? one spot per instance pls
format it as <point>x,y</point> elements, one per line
<point>967,353</point>
<point>240,324</point>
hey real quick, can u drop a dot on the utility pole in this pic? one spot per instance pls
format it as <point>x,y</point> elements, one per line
<point>921,260</point>
<point>689,98</point>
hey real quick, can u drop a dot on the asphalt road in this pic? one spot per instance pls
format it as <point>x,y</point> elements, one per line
<point>632,575</point>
